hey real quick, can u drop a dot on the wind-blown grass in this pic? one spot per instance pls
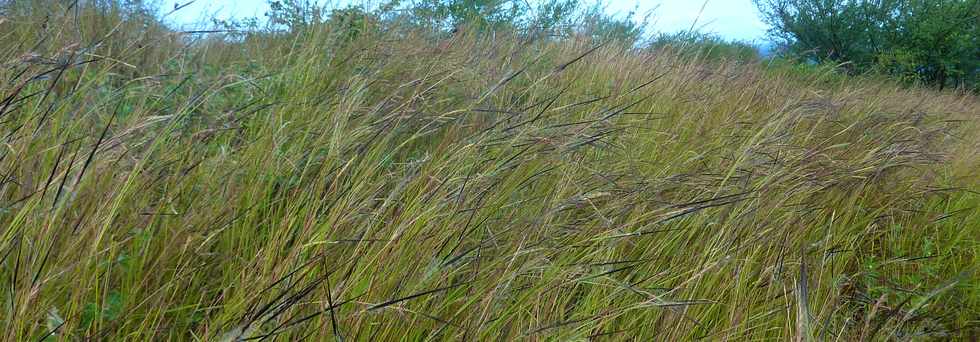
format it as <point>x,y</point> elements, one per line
<point>399,186</point>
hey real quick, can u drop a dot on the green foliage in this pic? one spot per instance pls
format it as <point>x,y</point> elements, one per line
<point>107,311</point>
<point>598,24</point>
<point>932,41</point>
<point>708,46</point>
<point>555,18</point>
<point>295,14</point>
<point>482,14</point>
<point>350,22</point>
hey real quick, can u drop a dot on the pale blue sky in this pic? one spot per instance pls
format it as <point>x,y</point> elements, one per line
<point>732,19</point>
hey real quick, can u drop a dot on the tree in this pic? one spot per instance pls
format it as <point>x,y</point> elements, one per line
<point>932,41</point>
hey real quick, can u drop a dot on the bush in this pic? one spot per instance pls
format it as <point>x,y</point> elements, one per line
<point>706,46</point>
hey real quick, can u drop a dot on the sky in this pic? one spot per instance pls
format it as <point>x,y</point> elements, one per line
<point>731,19</point>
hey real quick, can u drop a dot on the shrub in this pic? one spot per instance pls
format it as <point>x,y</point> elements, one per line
<point>706,46</point>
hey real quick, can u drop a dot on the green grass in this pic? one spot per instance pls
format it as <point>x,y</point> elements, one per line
<point>476,187</point>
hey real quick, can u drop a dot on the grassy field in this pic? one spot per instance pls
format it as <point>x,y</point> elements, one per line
<point>400,185</point>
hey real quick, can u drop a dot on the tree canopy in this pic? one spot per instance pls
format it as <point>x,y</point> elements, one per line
<point>931,41</point>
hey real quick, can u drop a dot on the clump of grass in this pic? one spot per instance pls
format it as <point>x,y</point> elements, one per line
<point>400,186</point>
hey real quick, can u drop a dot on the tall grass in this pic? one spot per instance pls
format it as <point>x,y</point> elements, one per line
<point>400,186</point>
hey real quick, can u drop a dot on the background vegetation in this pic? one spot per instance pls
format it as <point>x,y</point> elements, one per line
<point>358,174</point>
<point>936,42</point>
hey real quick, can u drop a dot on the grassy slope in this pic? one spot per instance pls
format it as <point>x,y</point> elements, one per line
<point>397,187</point>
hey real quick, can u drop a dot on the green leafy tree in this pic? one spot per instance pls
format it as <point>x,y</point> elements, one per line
<point>629,28</point>
<point>293,14</point>
<point>539,18</point>
<point>449,14</point>
<point>932,41</point>
<point>545,17</point>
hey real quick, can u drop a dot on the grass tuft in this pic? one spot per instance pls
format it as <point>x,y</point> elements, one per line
<point>399,185</point>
